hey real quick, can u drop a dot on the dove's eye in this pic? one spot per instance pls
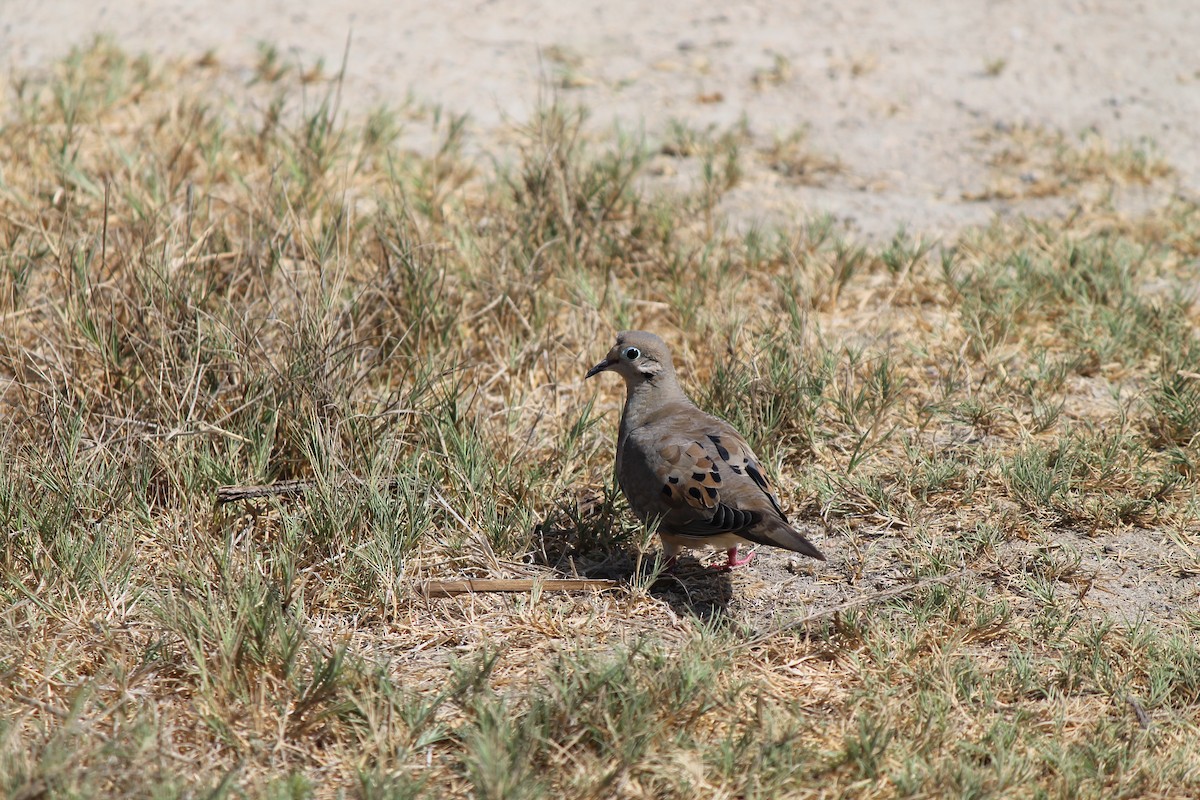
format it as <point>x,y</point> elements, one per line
<point>632,353</point>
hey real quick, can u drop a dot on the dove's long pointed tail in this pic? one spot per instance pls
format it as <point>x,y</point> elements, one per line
<point>778,533</point>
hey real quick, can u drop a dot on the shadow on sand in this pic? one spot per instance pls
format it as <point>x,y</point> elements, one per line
<point>689,588</point>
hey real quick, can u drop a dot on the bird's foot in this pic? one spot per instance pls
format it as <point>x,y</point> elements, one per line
<point>731,560</point>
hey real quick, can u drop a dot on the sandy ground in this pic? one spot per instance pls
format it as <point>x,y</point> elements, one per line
<point>906,97</point>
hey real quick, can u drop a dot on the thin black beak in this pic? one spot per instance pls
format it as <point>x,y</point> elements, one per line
<point>596,370</point>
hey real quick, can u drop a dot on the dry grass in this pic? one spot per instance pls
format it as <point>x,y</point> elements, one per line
<point>1032,162</point>
<point>201,288</point>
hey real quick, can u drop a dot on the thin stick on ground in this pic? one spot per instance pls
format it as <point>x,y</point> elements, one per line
<point>436,588</point>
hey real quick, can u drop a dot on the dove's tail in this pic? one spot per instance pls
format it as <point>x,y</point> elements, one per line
<point>778,533</point>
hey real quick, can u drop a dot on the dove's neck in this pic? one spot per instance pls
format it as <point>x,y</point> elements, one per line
<point>648,397</point>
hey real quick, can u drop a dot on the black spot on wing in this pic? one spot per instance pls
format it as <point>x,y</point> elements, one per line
<point>756,476</point>
<point>694,492</point>
<point>711,492</point>
<point>721,451</point>
<point>667,489</point>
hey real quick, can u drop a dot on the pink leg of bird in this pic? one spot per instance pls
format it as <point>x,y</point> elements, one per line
<point>731,560</point>
<point>671,551</point>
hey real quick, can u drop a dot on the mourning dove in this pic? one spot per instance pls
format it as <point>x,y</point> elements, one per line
<point>690,472</point>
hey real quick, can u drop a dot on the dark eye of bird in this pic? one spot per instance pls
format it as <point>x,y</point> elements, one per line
<point>632,353</point>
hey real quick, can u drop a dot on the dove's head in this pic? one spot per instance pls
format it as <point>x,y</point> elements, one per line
<point>637,357</point>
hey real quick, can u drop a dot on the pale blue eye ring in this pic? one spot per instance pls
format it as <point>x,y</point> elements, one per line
<point>632,353</point>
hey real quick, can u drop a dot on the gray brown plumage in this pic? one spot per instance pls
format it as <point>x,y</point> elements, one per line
<point>690,472</point>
